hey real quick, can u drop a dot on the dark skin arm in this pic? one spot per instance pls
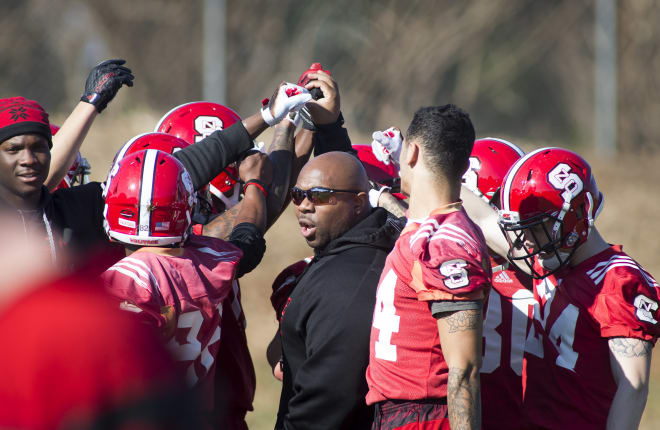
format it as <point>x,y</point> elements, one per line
<point>280,153</point>
<point>255,125</point>
<point>253,208</point>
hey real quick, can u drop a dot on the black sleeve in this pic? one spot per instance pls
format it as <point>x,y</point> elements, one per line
<point>441,306</point>
<point>206,159</point>
<point>332,137</point>
<point>250,240</point>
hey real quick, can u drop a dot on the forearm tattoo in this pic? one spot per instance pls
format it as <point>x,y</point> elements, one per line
<point>222,226</point>
<point>463,320</point>
<point>463,399</point>
<point>280,152</point>
<point>629,347</point>
<point>392,205</point>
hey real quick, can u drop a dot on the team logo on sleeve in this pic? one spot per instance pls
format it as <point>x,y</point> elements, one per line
<point>645,308</point>
<point>455,274</point>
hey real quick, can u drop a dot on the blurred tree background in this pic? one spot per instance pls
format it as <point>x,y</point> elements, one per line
<point>524,70</point>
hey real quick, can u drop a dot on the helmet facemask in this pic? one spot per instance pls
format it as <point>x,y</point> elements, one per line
<point>541,236</point>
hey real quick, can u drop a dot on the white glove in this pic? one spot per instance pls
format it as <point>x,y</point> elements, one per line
<point>289,98</point>
<point>374,195</point>
<point>386,145</point>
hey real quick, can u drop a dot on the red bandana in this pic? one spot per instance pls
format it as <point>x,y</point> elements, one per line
<point>21,116</point>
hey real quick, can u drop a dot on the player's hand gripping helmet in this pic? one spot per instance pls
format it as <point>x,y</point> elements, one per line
<point>377,171</point>
<point>193,122</point>
<point>149,201</point>
<point>78,173</point>
<point>549,203</point>
<point>489,161</point>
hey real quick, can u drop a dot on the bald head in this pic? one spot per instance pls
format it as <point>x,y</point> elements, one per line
<point>338,170</point>
<point>324,221</point>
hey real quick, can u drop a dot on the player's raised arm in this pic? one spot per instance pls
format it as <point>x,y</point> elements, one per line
<point>103,83</point>
<point>486,218</point>
<point>255,170</point>
<point>206,159</point>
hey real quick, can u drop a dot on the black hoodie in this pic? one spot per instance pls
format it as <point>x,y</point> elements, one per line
<point>326,327</point>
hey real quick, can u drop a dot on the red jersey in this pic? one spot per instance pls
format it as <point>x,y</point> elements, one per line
<point>183,297</point>
<point>508,317</point>
<point>237,377</point>
<point>443,257</point>
<point>569,379</point>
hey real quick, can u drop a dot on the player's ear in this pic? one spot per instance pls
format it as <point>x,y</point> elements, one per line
<point>411,153</point>
<point>361,203</point>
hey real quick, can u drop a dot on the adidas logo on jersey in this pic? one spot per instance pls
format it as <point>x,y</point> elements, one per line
<point>503,278</point>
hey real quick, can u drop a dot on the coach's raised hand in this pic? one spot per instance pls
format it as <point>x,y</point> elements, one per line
<point>104,81</point>
<point>326,109</point>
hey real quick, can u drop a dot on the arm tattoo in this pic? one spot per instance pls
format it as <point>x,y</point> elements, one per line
<point>392,205</point>
<point>280,152</point>
<point>282,140</point>
<point>463,320</point>
<point>463,399</point>
<point>222,225</point>
<point>629,347</point>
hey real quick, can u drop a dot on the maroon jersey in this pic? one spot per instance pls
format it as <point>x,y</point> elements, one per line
<point>284,284</point>
<point>443,257</point>
<point>183,297</point>
<point>508,317</point>
<point>569,379</point>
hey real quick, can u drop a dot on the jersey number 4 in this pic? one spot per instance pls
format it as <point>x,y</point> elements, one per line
<point>561,334</point>
<point>385,318</point>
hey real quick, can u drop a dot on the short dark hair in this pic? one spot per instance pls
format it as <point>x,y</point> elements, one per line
<point>447,136</point>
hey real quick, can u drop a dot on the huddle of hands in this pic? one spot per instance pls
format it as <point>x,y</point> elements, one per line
<point>313,101</point>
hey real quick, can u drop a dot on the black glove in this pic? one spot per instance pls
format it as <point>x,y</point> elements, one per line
<point>104,81</point>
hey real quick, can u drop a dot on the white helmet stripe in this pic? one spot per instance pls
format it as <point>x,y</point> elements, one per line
<point>160,122</point>
<point>506,189</point>
<point>509,144</point>
<point>146,191</point>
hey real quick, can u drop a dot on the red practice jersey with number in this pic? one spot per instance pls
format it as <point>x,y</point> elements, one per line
<point>569,378</point>
<point>183,297</point>
<point>508,317</point>
<point>441,258</point>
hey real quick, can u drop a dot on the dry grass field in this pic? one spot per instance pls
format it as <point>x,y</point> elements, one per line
<point>629,217</point>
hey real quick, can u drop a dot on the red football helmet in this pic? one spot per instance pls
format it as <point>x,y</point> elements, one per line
<point>78,173</point>
<point>549,203</point>
<point>378,171</point>
<point>489,161</point>
<point>149,201</point>
<point>193,122</point>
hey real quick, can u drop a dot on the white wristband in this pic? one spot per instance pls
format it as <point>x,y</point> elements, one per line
<point>374,196</point>
<point>267,116</point>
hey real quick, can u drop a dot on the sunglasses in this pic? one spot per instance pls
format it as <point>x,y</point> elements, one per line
<point>316,195</point>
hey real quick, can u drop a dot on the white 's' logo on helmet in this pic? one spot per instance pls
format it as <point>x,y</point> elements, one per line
<point>205,125</point>
<point>562,179</point>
